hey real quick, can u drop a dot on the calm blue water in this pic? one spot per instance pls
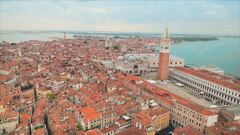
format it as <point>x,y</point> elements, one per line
<point>24,36</point>
<point>223,53</point>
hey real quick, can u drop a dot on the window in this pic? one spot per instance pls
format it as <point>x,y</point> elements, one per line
<point>135,67</point>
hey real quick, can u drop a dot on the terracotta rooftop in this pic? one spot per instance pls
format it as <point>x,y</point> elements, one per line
<point>109,129</point>
<point>187,130</point>
<point>146,117</point>
<point>225,128</point>
<point>39,131</point>
<point>143,119</point>
<point>93,132</point>
<point>24,117</point>
<point>133,131</point>
<point>6,113</point>
<point>89,114</point>
<point>5,77</point>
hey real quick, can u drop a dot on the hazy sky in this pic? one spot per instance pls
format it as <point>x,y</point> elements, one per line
<point>182,16</point>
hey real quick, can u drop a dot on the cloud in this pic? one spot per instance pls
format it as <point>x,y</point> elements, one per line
<point>98,10</point>
<point>210,12</point>
<point>184,17</point>
<point>65,12</point>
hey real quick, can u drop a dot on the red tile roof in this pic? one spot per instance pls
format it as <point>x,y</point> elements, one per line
<point>39,131</point>
<point>89,114</point>
<point>5,77</point>
<point>24,117</point>
<point>187,130</point>
<point>109,129</point>
<point>7,113</point>
<point>146,117</point>
<point>93,132</point>
<point>133,131</point>
<point>225,128</point>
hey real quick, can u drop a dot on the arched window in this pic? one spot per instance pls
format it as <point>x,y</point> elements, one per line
<point>135,66</point>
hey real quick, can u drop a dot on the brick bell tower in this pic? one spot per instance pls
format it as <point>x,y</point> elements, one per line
<point>164,56</point>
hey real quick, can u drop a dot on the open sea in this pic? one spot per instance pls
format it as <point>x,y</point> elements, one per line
<point>223,53</point>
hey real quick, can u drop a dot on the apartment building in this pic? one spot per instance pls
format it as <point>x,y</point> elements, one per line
<point>157,119</point>
<point>89,118</point>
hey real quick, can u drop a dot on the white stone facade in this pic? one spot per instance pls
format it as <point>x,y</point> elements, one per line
<point>208,89</point>
<point>138,64</point>
<point>8,124</point>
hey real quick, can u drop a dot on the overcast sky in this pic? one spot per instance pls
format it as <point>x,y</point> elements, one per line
<point>182,16</point>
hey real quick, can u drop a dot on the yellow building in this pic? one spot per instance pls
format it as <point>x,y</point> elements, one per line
<point>162,120</point>
<point>152,119</point>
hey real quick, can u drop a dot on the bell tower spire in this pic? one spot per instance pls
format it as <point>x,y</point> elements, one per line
<point>164,56</point>
<point>166,37</point>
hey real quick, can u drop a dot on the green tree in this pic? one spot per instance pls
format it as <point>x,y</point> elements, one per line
<point>51,96</point>
<point>79,126</point>
<point>115,47</point>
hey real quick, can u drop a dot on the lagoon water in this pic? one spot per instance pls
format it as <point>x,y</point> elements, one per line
<point>223,53</point>
<point>24,36</point>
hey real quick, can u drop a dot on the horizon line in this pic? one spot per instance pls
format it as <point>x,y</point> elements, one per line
<point>127,32</point>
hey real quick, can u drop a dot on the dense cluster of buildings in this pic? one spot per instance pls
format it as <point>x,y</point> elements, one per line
<point>66,86</point>
<point>57,87</point>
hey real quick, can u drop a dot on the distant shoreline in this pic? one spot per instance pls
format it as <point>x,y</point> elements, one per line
<point>177,40</point>
<point>108,33</point>
<point>53,35</point>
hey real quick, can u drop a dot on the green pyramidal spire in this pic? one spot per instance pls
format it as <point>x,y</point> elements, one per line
<point>166,34</point>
